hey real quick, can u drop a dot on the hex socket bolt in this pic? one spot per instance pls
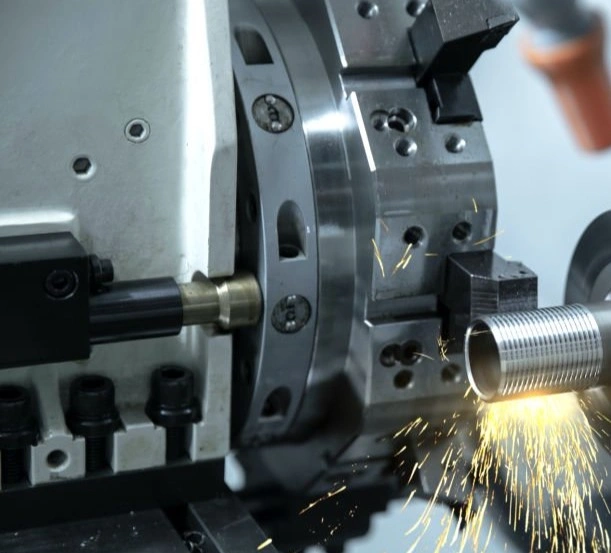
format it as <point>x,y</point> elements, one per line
<point>18,431</point>
<point>173,406</point>
<point>552,350</point>
<point>92,414</point>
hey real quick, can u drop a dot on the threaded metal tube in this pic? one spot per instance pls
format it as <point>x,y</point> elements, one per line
<point>549,350</point>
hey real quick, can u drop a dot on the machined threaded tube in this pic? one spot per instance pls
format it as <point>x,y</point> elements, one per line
<point>550,350</point>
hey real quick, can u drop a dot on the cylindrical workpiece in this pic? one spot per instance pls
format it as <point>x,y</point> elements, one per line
<point>135,310</point>
<point>550,350</point>
<point>228,303</point>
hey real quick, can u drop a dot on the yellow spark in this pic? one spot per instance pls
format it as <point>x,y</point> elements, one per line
<point>443,349</point>
<point>405,259</point>
<point>265,544</point>
<point>535,443</point>
<point>378,257</point>
<point>407,501</point>
<point>495,235</point>
<point>474,204</point>
<point>328,495</point>
<point>429,254</point>
<point>404,266</point>
<point>423,355</point>
<point>384,225</point>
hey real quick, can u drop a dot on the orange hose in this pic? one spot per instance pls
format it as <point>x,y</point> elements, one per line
<point>577,71</point>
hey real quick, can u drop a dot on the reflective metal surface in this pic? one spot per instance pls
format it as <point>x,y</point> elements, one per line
<point>558,349</point>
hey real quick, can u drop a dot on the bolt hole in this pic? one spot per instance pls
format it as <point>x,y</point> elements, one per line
<point>57,459</point>
<point>277,404</point>
<point>414,236</point>
<point>288,251</point>
<point>411,353</point>
<point>11,393</point>
<point>172,373</point>
<point>462,231</point>
<point>455,144</point>
<point>415,7</point>
<point>137,130</point>
<point>403,379</point>
<point>388,356</point>
<point>82,167</point>
<point>450,373</point>
<point>401,120</point>
<point>523,272</point>
<point>406,147</point>
<point>379,120</point>
<point>92,383</point>
<point>367,10</point>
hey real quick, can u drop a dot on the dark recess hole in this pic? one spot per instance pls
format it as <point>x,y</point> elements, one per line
<point>403,379</point>
<point>136,130</point>
<point>462,231</point>
<point>415,7</point>
<point>450,373</point>
<point>411,353</point>
<point>379,120</point>
<point>414,236</point>
<point>291,231</point>
<point>401,120</point>
<point>82,165</point>
<point>367,10</point>
<point>277,404</point>
<point>253,47</point>
<point>388,356</point>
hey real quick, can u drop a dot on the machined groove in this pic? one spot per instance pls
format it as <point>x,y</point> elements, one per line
<point>548,350</point>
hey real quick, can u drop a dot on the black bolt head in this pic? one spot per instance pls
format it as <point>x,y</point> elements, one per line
<point>101,272</point>
<point>17,421</point>
<point>61,284</point>
<point>172,401</point>
<point>92,411</point>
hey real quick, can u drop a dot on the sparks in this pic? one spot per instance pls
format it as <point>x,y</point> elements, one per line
<point>404,261</point>
<point>484,240</point>
<point>265,544</point>
<point>544,452</point>
<point>328,495</point>
<point>474,205</point>
<point>443,349</point>
<point>378,257</point>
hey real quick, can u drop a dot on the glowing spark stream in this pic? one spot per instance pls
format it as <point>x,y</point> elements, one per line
<point>443,348</point>
<point>543,451</point>
<point>265,544</point>
<point>484,240</point>
<point>378,256</point>
<point>404,261</point>
<point>475,205</point>
<point>328,495</point>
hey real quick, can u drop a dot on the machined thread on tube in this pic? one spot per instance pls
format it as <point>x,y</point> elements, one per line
<point>550,350</point>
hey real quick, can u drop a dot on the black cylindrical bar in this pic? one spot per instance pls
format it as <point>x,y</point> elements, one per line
<point>136,310</point>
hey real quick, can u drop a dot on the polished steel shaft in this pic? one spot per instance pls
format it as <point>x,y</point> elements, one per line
<point>549,350</point>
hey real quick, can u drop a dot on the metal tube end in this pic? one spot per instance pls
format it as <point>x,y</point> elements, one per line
<point>483,361</point>
<point>552,350</point>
